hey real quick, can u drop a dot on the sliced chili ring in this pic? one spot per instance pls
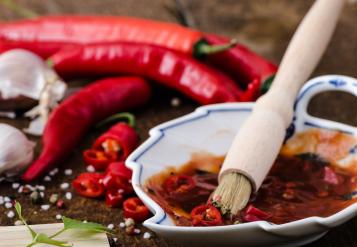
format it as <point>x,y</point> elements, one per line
<point>113,181</point>
<point>254,214</point>
<point>114,198</point>
<point>206,215</point>
<point>179,184</point>
<point>100,160</point>
<point>89,185</point>
<point>119,169</point>
<point>135,209</point>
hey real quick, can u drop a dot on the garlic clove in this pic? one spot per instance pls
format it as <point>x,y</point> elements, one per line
<point>16,151</point>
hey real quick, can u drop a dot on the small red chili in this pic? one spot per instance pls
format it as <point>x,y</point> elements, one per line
<point>98,159</point>
<point>119,169</point>
<point>254,214</point>
<point>206,215</point>
<point>114,198</point>
<point>135,209</point>
<point>112,181</point>
<point>179,184</point>
<point>89,185</point>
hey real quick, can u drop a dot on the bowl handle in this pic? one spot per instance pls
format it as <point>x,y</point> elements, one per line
<point>315,86</point>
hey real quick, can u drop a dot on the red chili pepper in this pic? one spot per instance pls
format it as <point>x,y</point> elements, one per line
<point>72,118</point>
<point>121,138</point>
<point>165,66</point>
<point>206,215</point>
<point>114,198</point>
<point>99,159</point>
<point>117,177</point>
<point>239,62</point>
<point>119,169</point>
<point>179,184</point>
<point>48,34</point>
<point>254,214</point>
<point>135,209</point>
<point>89,185</point>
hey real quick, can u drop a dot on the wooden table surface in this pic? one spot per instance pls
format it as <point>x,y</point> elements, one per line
<point>264,25</point>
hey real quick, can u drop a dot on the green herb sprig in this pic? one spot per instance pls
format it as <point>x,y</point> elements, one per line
<point>69,224</point>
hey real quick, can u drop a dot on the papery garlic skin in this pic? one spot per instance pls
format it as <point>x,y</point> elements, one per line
<point>16,151</point>
<point>23,73</point>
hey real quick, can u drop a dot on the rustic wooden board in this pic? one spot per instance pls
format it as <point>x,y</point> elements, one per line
<point>264,25</point>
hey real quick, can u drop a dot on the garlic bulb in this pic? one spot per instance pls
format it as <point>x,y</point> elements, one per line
<point>24,74</point>
<point>16,151</point>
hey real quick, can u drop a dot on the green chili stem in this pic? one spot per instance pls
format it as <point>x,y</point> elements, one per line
<point>126,116</point>
<point>10,4</point>
<point>49,63</point>
<point>202,48</point>
<point>265,86</point>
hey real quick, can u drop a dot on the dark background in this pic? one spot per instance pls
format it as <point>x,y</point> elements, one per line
<point>264,25</point>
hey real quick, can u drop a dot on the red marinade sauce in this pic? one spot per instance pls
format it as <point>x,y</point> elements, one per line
<point>297,187</point>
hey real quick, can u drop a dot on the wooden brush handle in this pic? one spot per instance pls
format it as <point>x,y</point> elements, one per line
<point>258,142</point>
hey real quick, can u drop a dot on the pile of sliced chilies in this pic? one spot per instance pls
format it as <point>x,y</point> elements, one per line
<point>108,154</point>
<point>205,67</point>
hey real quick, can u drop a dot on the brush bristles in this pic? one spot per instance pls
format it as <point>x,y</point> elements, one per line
<point>232,193</point>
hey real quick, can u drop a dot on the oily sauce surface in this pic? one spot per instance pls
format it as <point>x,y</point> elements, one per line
<point>297,187</point>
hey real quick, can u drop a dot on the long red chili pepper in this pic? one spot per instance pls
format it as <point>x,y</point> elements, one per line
<point>240,62</point>
<point>46,35</point>
<point>71,119</point>
<point>165,66</point>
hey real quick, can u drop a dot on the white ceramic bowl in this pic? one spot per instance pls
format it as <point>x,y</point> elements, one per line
<point>211,129</point>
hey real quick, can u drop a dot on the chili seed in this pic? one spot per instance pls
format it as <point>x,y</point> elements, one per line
<point>15,186</point>
<point>45,207</point>
<point>147,235</point>
<point>2,200</point>
<point>137,231</point>
<point>68,172</point>
<point>129,222</point>
<point>122,225</point>
<point>35,197</point>
<point>90,168</point>
<point>8,205</point>
<point>68,196</point>
<point>64,186</point>
<point>54,198</point>
<point>53,172</point>
<point>175,102</point>
<point>58,216</point>
<point>47,179</point>
<point>10,214</point>
<point>110,226</point>
<point>40,187</point>
<point>7,199</point>
<point>18,223</point>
